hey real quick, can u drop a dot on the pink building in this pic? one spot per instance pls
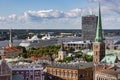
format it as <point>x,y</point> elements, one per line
<point>27,72</point>
<point>5,71</point>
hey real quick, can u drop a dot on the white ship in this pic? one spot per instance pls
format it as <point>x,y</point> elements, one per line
<point>36,42</point>
<point>47,37</point>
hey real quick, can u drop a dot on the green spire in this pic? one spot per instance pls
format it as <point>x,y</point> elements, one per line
<point>99,37</point>
<point>11,40</point>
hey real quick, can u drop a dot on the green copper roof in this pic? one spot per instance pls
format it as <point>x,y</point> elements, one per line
<point>99,37</point>
<point>112,52</point>
<point>11,40</point>
<point>107,52</point>
<point>109,59</point>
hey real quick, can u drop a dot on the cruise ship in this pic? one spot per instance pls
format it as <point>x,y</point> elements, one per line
<point>36,42</point>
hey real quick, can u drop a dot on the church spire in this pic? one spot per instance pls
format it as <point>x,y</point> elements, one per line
<point>11,40</point>
<point>99,45</point>
<point>99,37</point>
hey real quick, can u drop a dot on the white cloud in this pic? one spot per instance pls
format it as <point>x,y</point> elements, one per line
<point>110,5</point>
<point>73,13</point>
<point>41,19</point>
<point>48,19</point>
<point>43,14</point>
<point>110,13</point>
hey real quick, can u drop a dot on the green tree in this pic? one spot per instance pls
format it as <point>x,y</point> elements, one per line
<point>70,50</point>
<point>87,58</point>
<point>22,48</point>
<point>68,59</point>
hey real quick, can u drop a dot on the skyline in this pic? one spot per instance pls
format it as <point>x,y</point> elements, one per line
<point>54,14</point>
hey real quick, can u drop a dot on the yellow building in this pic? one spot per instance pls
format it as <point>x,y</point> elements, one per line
<point>61,53</point>
<point>70,71</point>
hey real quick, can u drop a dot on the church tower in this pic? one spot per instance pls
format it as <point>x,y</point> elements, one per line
<point>61,53</point>
<point>11,40</point>
<point>98,45</point>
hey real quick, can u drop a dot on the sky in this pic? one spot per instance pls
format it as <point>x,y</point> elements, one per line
<point>56,14</point>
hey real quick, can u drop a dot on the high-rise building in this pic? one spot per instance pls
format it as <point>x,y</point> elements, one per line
<point>89,24</point>
<point>98,45</point>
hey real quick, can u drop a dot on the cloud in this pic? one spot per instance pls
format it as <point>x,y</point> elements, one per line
<point>43,14</point>
<point>73,13</point>
<point>110,13</point>
<point>110,5</point>
<point>41,19</point>
<point>55,19</point>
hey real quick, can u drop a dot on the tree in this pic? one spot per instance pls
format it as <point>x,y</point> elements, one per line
<point>87,58</point>
<point>70,50</point>
<point>43,51</point>
<point>22,48</point>
<point>67,59</point>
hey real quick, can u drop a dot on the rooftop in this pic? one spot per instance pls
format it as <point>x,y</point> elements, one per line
<point>26,67</point>
<point>117,43</point>
<point>110,70</point>
<point>78,42</point>
<point>80,65</point>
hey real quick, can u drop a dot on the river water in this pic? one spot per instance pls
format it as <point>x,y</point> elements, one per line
<point>17,42</point>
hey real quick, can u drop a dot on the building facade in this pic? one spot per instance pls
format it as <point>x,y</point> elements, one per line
<point>77,45</point>
<point>104,70</point>
<point>66,71</point>
<point>27,72</point>
<point>5,71</point>
<point>107,72</point>
<point>61,53</point>
<point>89,24</point>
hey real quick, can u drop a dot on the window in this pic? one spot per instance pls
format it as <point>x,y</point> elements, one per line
<point>27,78</point>
<point>81,75</point>
<point>63,73</point>
<point>59,73</point>
<point>96,60</point>
<point>96,53</point>
<point>37,78</point>
<point>68,74</point>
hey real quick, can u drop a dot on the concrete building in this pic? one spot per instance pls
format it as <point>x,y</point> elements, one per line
<point>89,24</point>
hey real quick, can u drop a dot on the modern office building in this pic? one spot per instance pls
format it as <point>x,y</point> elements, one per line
<point>89,24</point>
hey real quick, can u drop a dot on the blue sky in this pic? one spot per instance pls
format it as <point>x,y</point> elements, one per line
<point>14,6</point>
<point>56,14</point>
